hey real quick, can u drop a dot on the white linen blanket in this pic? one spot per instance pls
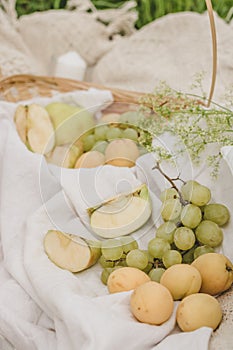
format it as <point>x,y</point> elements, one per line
<point>43,307</point>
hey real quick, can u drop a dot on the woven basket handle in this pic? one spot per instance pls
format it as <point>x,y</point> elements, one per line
<point>214,50</point>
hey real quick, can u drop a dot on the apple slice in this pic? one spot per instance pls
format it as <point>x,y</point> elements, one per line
<point>35,128</point>
<point>71,252</point>
<point>20,119</point>
<point>40,134</point>
<point>121,215</point>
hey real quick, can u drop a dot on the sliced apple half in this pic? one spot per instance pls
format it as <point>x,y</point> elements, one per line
<point>40,131</point>
<point>35,128</point>
<point>20,119</point>
<point>71,252</point>
<point>121,215</point>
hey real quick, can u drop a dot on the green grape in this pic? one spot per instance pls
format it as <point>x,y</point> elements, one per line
<point>131,118</point>
<point>121,263</point>
<point>137,258</point>
<point>217,213</point>
<point>100,146</point>
<point>112,249</point>
<point>177,221</point>
<point>171,209</point>
<point>184,238</point>
<point>101,132</point>
<point>148,267</point>
<point>203,249</point>
<point>171,257</point>
<point>106,273</point>
<point>156,274</point>
<point>209,233</point>
<point>128,243</point>
<point>169,193</point>
<point>173,246</point>
<point>130,133</point>
<point>188,257</point>
<point>123,255</point>
<point>105,263</point>
<point>150,257</point>
<point>195,193</point>
<point>157,247</point>
<point>88,142</point>
<point>202,209</point>
<point>113,133</point>
<point>191,216</point>
<point>166,231</point>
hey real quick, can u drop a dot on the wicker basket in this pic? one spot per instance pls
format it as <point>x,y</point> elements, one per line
<point>23,87</point>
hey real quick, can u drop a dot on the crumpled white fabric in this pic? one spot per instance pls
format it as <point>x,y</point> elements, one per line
<point>45,307</point>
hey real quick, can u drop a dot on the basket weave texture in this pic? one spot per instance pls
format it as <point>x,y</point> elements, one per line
<point>23,87</point>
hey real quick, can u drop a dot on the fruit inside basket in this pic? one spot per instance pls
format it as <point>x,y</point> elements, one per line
<point>71,136</point>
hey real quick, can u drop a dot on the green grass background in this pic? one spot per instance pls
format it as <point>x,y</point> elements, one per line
<point>148,9</point>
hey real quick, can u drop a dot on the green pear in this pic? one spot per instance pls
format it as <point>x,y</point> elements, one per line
<point>69,122</point>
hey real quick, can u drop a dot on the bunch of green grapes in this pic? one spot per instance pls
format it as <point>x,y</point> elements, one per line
<point>126,126</point>
<point>102,134</point>
<point>124,251</point>
<point>112,127</point>
<point>191,227</point>
<point>121,252</point>
<point>115,254</point>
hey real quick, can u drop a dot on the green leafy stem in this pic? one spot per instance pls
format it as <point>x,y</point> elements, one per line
<point>186,117</point>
